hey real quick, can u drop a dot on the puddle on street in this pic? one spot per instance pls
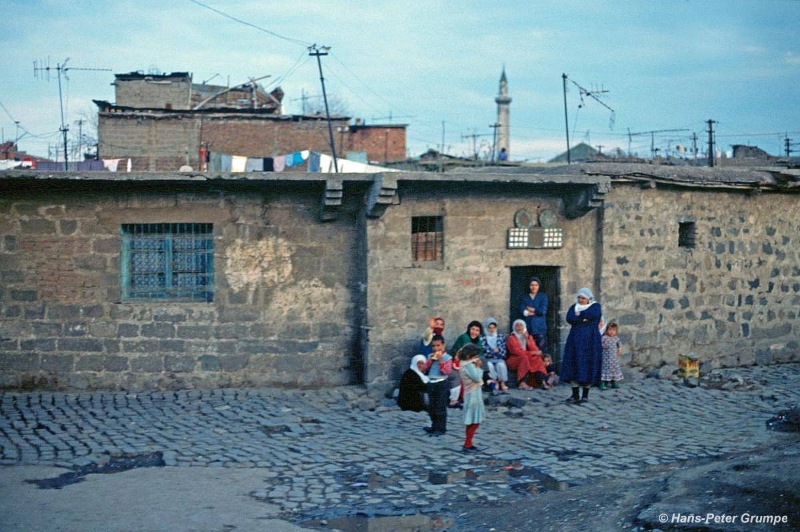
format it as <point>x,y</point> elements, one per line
<point>116,463</point>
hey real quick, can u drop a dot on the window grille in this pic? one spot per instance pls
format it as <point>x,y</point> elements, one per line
<point>168,261</point>
<point>427,238</point>
<point>687,232</point>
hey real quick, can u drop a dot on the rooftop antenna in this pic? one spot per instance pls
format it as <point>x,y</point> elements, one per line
<point>43,70</point>
<point>652,138</point>
<point>593,94</point>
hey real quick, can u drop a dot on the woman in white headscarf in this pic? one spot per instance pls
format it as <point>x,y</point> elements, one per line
<point>494,350</point>
<point>524,357</point>
<point>414,386</point>
<point>582,363</point>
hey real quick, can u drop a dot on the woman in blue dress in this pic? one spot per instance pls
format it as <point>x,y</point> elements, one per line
<point>583,353</point>
<point>534,312</point>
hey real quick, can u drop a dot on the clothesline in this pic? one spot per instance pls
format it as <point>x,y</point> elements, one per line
<point>317,162</point>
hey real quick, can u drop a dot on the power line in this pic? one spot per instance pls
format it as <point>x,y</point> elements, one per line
<point>250,24</point>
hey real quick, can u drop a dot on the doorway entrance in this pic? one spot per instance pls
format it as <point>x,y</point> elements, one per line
<point>549,276</point>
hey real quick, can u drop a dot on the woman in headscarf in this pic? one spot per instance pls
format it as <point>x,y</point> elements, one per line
<point>414,386</point>
<point>524,356</point>
<point>534,310</point>
<point>471,336</point>
<point>494,349</point>
<point>583,353</point>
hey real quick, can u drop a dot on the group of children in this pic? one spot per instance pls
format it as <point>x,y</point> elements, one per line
<point>436,380</point>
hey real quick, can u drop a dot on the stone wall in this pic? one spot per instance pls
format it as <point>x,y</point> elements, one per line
<point>733,299</point>
<point>473,280</point>
<point>285,300</point>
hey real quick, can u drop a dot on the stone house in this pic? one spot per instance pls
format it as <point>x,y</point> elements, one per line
<point>169,280</point>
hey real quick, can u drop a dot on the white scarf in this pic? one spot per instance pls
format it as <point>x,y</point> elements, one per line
<point>416,370</point>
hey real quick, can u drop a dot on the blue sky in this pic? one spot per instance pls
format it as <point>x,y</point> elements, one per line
<point>435,65</point>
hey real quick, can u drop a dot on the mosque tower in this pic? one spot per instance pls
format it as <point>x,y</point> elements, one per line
<point>503,102</point>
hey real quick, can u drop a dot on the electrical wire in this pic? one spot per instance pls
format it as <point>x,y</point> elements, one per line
<point>250,24</point>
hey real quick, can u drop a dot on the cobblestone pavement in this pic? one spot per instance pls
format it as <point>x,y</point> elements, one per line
<point>342,451</point>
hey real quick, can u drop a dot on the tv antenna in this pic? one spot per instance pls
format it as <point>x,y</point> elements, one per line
<point>61,70</point>
<point>593,94</point>
<point>652,138</point>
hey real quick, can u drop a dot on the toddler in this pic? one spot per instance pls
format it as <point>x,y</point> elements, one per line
<point>612,348</point>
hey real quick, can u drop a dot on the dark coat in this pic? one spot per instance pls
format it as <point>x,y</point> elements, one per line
<point>412,391</point>
<point>583,352</point>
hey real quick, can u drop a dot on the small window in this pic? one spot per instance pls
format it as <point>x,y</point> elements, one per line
<point>168,261</point>
<point>686,234</point>
<point>427,238</point>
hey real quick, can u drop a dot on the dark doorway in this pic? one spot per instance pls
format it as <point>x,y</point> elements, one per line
<point>549,275</point>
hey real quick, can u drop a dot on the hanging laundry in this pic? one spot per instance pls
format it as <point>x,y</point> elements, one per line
<point>214,162</point>
<point>304,154</point>
<point>238,163</point>
<point>279,163</point>
<point>111,164</point>
<point>269,164</point>
<point>7,164</point>
<point>225,162</point>
<point>289,160</point>
<point>313,162</point>
<point>254,164</point>
<point>298,158</point>
<point>129,165</point>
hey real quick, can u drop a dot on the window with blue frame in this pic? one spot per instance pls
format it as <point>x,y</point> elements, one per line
<point>172,261</point>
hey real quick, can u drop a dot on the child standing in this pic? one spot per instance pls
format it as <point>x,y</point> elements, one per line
<point>612,348</point>
<point>472,378</point>
<point>438,368</point>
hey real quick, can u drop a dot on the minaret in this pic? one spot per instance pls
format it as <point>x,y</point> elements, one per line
<point>503,101</point>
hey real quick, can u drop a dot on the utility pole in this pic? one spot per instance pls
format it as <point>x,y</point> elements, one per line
<point>789,149</point>
<point>694,144</point>
<point>494,139</point>
<point>653,149</point>
<point>62,69</point>
<point>711,142</point>
<point>314,51</point>
<point>474,138</point>
<point>566,120</point>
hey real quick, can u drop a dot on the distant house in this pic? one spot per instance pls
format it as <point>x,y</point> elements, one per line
<point>580,153</point>
<point>165,121</point>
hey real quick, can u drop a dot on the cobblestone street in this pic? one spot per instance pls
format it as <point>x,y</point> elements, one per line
<point>339,451</point>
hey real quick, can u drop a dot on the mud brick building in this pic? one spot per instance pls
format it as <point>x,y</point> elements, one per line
<point>163,121</point>
<point>170,280</point>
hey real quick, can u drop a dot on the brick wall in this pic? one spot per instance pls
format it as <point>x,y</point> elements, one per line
<point>382,144</point>
<point>165,142</point>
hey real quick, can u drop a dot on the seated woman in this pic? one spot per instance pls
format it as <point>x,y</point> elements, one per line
<point>524,357</point>
<point>494,348</point>
<point>414,387</point>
